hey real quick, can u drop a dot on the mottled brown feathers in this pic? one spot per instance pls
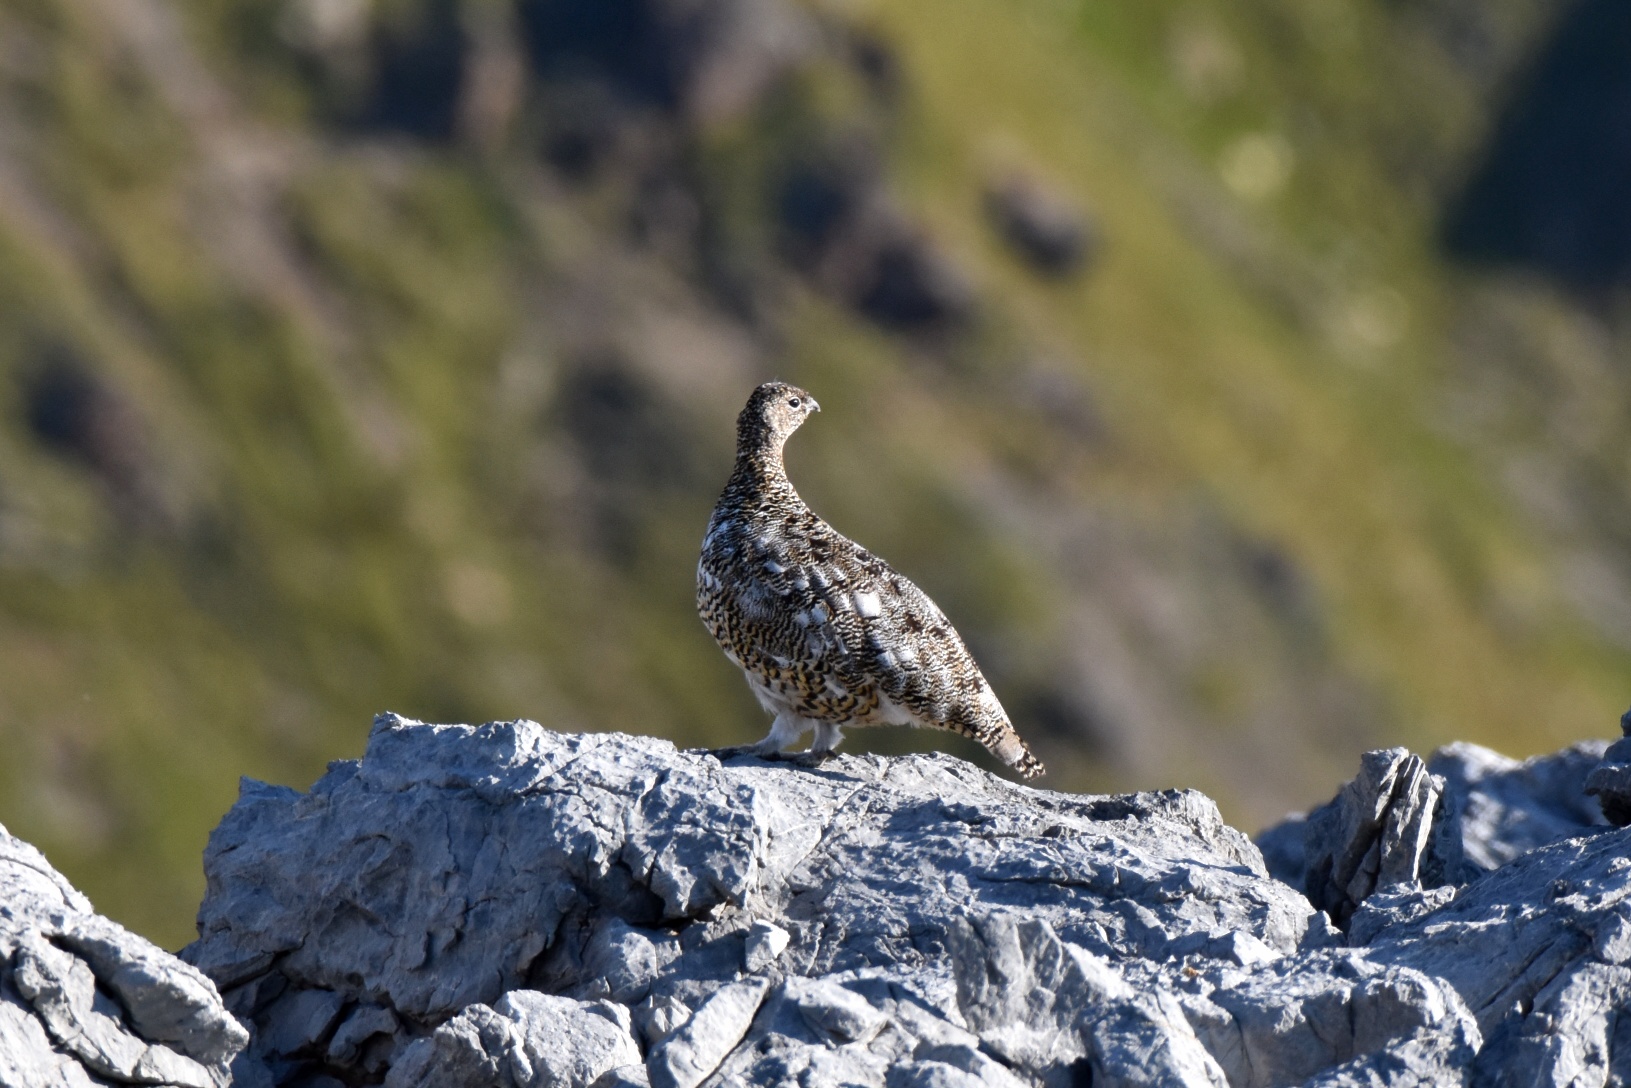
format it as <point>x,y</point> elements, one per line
<point>828,634</point>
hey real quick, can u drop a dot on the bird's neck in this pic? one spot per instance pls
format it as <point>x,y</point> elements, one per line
<point>760,471</point>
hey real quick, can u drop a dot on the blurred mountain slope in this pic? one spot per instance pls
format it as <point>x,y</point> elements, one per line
<point>364,355</point>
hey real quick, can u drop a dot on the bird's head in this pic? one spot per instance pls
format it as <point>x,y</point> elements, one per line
<point>774,411</point>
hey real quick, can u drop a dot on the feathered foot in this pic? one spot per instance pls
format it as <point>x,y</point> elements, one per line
<point>798,759</point>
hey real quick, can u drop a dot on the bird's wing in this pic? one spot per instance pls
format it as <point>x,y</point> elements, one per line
<point>871,626</point>
<point>784,589</point>
<point>840,616</point>
<point>919,662</point>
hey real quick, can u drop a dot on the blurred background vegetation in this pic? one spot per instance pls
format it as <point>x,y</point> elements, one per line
<point>1248,380</point>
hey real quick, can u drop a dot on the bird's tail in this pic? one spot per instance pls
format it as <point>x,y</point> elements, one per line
<point>1012,750</point>
<point>991,727</point>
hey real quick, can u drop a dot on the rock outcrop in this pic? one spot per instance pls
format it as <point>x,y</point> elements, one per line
<point>1509,807</point>
<point>1488,810</point>
<point>732,920</point>
<point>503,905</point>
<point>506,907</point>
<point>83,1001</point>
<point>1610,780</point>
<point>1394,826</point>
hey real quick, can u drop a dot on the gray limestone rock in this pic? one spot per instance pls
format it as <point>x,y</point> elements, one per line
<point>300,1026</point>
<point>1394,825</point>
<point>1534,944</point>
<point>1394,906</point>
<point>1025,992</point>
<point>621,961</point>
<point>502,905</point>
<point>835,1011</point>
<point>1282,846</point>
<point>761,945</point>
<point>1511,941</point>
<point>690,1054</point>
<point>1509,807</point>
<point>1304,1016</point>
<point>1610,780</point>
<point>1504,807</point>
<point>351,1045</point>
<point>84,1001</point>
<point>528,1040</point>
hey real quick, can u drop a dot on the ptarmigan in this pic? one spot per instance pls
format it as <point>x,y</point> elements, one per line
<point>828,634</point>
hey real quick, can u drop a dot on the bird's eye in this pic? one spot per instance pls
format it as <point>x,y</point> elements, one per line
<point>793,403</point>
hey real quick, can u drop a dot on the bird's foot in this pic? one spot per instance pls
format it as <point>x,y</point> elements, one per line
<point>722,754</point>
<point>797,759</point>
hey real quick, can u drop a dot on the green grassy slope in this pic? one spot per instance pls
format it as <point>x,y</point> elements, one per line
<point>307,414</point>
<point>1235,335</point>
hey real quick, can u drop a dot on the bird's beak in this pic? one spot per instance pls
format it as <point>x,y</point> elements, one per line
<point>814,407</point>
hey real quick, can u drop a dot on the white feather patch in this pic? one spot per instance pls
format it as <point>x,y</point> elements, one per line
<point>894,714</point>
<point>867,603</point>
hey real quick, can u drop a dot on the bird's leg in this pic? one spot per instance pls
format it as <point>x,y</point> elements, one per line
<point>827,738</point>
<point>783,731</point>
<point>823,747</point>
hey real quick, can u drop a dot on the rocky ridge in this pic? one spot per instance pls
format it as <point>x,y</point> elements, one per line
<point>502,905</point>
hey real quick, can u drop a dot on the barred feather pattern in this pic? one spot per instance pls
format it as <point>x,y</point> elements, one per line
<point>828,634</point>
